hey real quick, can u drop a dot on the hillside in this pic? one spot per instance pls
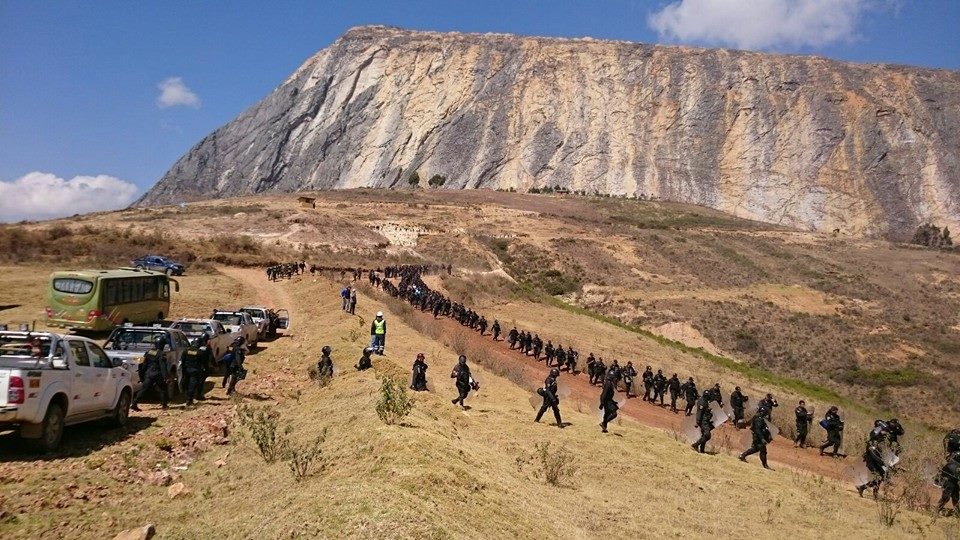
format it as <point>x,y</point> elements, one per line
<point>870,320</point>
<point>441,473</point>
<point>800,141</point>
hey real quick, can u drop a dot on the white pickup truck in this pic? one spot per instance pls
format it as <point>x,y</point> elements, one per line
<point>48,381</point>
<point>240,324</point>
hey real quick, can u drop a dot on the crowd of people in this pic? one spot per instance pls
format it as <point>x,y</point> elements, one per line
<point>879,455</point>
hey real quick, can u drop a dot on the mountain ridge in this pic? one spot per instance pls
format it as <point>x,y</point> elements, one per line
<point>801,141</point>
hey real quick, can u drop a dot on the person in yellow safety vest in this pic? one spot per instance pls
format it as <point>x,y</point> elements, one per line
<point>378,333</point>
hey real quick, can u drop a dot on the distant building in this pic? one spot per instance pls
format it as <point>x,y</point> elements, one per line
<point>307,202</point>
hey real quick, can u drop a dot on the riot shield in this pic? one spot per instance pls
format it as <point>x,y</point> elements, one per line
<point>774,430</point>
<point>719,416</point>
<point>858,474</point>
<point>689,429</point>
<point>563,389</point>
<point>536,401</point>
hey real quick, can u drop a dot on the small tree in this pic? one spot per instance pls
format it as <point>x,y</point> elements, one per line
<point>395,402</point>
<point>437,180</point>
<point>413,179</point>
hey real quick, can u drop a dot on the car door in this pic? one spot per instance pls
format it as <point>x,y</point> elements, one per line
<point>106,378</point>
<point>83,379</point>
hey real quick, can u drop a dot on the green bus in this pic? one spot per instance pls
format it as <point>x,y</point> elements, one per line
<point>98,300</point>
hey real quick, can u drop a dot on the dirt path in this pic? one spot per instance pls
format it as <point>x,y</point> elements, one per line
<point>268,294</point>
<point>726,437</point>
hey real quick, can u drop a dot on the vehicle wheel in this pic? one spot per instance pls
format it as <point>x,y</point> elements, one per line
<point>160,317</point>
<point>168,271</point>
<point>121,413</point>
<point>139,267</point>
<point>51,431</point>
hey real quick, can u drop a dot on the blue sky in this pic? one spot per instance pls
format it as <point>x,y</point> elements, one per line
<point>80,81</point>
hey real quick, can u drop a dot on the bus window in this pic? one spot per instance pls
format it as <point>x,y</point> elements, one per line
<point>72,286</point>
<point>165,289</point>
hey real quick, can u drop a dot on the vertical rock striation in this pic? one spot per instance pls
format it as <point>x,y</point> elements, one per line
<point>795,140</point>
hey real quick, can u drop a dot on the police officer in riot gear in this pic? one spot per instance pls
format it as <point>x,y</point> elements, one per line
<point>949,481</point>
<point>628,375</point>
<point>365,362</point>
<point>705,423</point>
<point>873,459</point>
<point>834,426</point>
<point>153,373</point>
<point>233,361</point>
<point>325,365</point>
<point>608,403</point>
<point>803,419</point>
<point>767,404</point>
<point>551,400</point>
<point>761,437</point>
<point>418,382</point>
<point>690,395</point>
<point>737,402</point>
<point>195,361</point>
<point>463,380</point>
<point>674,386</point>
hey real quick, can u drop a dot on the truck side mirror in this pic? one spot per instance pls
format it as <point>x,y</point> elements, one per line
<point>58,363</point>
<point>116,362</point>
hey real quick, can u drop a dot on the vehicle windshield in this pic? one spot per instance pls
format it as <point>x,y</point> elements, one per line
<point>228,318</point>
<point>132,339</point>
<point>192,328</point>
<point>258,313</point>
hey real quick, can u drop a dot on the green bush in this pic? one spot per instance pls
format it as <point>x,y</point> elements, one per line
<point>413,179</point>
<point>265,428</point>
<point>394,403</point>
<point>437,180</point>
<point>300,458</point>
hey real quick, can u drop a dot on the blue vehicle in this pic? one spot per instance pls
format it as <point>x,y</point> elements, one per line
<point>159,264</point>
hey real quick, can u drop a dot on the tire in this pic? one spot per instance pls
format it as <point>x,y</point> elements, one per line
<point>51,430</point>
<point>121,413</point>
<point>168,271</point>
<point>139,267</point>
<point>160,317</point>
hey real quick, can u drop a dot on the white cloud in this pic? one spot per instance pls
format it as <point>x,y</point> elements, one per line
<point>761,24</point>
<point>174,93</point>
<point>40,195</point>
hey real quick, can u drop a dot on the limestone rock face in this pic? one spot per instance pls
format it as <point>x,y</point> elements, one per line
<point>796,140</point>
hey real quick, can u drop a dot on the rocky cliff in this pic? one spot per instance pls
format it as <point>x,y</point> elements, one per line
<point>796,140</point>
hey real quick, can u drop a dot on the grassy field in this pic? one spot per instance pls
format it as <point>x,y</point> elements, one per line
<point>441,473</point>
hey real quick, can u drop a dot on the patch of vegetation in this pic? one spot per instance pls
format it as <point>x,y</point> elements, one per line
<point>906,376</point>
<point>301,458</point>
<point>555,466</point>
<point>414,179</point>
<point>437,180</point>
<point>395,402</point>
<point>269,436</point>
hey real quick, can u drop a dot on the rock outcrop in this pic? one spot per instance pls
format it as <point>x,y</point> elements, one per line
<point>795,140</point>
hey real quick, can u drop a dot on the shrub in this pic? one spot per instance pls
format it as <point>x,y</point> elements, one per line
<point>437,180</point>
<point>300,458</point>
<point>554,466</point>
<point>264,426</point>
<point>413,179</point>
<point>395,403</point>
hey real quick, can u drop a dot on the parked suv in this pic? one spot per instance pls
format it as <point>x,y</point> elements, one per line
<point>160,264</point>
<point>128,344</point>
<point>48,381</point>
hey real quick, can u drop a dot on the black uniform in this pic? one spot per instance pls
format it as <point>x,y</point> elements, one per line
<point>874,462</point>
<point>419,381</point>
<point>950,482</point>
<point>461,374</point>
<point>365,362</point>
<point>705,423</point>
<point>690,394</point>
<point>737,401</point>
<point>550,399</point>
<point>607,402</point>
<point>648,384</point>
<point>234,371</point>
<point>894,432</point>
<point>325,366</point>
<point>834,426</point>
<point>659,387</point>
<point>803,419</point>
<point>628,375</point>
<point>761,437</point>
<point>153,373</point>
<point>767,404</point>
<point>496,330</point>
<point>674,386</point>
<point>194,364</point>
<point>951,442</point>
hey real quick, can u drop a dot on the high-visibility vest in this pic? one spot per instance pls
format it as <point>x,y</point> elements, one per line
<point>379,327</point>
